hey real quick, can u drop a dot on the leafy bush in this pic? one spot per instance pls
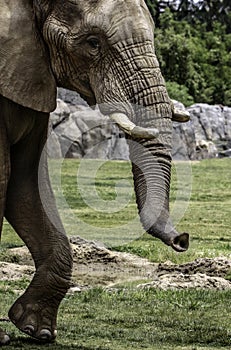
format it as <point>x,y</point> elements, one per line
<point>194,54</point>
<point>180,93</point>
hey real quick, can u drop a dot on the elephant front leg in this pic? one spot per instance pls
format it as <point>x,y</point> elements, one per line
<point>4,178</point>
<point>35,312</point>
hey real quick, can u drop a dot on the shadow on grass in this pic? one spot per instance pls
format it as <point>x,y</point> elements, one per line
<point>33,344</point>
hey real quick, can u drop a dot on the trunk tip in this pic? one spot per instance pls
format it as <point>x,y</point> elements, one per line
<point>181,242</point>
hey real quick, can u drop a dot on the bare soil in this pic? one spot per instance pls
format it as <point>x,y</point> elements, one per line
<point>95,265</point>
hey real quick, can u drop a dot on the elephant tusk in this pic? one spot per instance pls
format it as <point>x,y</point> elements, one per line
<point>180,115</point>
<point>132,129</point>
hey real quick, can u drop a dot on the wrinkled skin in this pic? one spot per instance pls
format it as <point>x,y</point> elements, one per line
<point>104,50</point>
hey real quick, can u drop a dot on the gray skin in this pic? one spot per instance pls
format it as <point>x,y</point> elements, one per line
<point>104,50</point>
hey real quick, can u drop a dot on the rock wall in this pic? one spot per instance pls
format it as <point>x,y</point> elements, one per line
<point>206,135</point>
<point>77,131</point>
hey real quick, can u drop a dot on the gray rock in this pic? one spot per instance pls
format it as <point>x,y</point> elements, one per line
<point>78,131</point>
<point>57,119</point>
<point>84,133</point>
<point>183,138</point>
<point>206,135</point>
<point>71,98</point>
<point>227,117</point>
<point>61,113</point>
<point>212,125</point>
<point>54,146</point>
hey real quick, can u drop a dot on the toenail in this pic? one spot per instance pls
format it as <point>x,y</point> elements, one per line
<point>29,329</point>
<point>45,334</point>
<point>5,340</point>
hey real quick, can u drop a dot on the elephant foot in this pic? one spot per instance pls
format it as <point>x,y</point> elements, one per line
<point>4,338</point>
<point>35,318</point>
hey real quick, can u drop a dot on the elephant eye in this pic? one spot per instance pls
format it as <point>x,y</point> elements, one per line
<point>94,42</point>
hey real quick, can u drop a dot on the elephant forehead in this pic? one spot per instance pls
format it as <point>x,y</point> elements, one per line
<point>120,14</point>
<point>119,17</point>
<point>124,19</point>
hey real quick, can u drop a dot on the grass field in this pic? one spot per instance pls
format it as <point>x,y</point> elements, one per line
<point>96,204</point>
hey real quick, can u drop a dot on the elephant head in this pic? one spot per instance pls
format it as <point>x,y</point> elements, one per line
<point>104,50</point>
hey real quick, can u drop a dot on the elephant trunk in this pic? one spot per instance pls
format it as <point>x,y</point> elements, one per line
<point>140,105</point>
<point>151,173</point>
<point>151,160</point>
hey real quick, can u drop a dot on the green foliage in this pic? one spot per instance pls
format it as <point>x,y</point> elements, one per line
<point>193,44</point>
<point>203,11</point>
<point>179,93</point>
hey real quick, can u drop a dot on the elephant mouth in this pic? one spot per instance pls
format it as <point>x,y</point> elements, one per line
<point>132,129</point>
<point>138,132</point>
<point>89,98</point>
<point>125,124</point>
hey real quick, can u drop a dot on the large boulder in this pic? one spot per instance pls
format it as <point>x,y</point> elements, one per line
<point>77,131</point>
<point>212,126</point>
<point>183,138</point>
<point>206,135</point>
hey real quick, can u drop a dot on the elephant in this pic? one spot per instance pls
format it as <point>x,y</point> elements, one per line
<point>104,50</point>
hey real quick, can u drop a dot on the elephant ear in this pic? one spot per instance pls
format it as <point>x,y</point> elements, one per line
<point>25,74</point>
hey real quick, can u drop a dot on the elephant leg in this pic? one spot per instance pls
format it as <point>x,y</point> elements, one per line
<point>4,177</point>
<point>35,311</point>
<point>4,168</point>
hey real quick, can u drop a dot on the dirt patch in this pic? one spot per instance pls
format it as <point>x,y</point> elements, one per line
<point>95,265</point>
<point>11,271</point>
<point>181,281</point>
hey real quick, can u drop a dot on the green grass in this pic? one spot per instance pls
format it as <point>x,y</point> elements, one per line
<point>128,318</point>
<point>102,207</point>
<point>137,319</point>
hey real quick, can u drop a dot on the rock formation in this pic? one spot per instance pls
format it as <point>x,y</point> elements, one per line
<point>77,131</point>
<point>206,135</point>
